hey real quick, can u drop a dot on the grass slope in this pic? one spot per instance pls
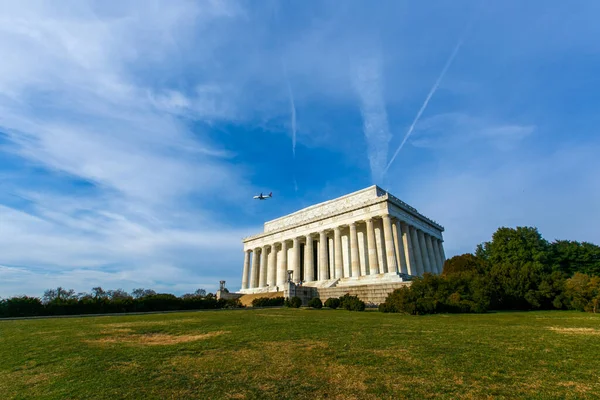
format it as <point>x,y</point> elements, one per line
<point>302,354</point>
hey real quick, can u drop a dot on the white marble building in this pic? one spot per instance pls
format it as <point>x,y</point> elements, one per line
<point>367,237</point>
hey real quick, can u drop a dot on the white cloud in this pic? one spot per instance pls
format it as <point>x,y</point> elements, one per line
<point>73,104</point>
<point>368,82</point>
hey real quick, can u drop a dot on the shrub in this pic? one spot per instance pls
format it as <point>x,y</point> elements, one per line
<point>352,303</point>
<point>268,301</point>
<point>332,303</point>
<point>294,302</point>
<point>236,303</point>
<point>21,307</point>
<point>455,293</point>
<point>315,302</point>
<point>583,292</point>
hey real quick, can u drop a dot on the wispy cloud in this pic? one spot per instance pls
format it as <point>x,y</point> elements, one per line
<point>459,130</point>
<point>71,107</point>
<point>132,138</point>
<point>367,79</point>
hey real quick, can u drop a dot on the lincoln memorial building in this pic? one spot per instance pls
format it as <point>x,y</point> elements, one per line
<point>363,239</point>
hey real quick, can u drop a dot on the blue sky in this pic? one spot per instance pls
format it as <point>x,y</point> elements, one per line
<point>134,134</point>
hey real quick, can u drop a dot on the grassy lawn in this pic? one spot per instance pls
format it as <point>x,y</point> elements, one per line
<point>302,354</point>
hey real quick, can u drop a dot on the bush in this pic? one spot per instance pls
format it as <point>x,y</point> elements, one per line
<point>294,302</point>
<point>456,293</point>
<point>235,303</point>
<point>268,301</point>
<point>583,292</point>
<point>21,307</point>
<point>352,303</point>
<point>315,302</point>
<point>332,303</point>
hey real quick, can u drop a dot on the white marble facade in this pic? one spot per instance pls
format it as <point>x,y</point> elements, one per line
<point>365,236</point>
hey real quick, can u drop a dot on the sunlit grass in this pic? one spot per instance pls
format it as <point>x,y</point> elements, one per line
<point>302,354</point>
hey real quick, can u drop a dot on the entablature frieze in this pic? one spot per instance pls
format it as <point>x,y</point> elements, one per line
<point>374,209</point>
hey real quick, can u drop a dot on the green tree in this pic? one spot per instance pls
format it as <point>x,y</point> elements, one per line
<point>515,245</point>
<point>465,263</point>
<point>571,257</point>
<point>583,292</point>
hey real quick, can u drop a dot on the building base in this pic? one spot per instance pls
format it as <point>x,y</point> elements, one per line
<point>372,289</point>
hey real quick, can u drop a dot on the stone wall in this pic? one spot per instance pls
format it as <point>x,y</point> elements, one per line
<point>246,299</point>
<point>372,295</point>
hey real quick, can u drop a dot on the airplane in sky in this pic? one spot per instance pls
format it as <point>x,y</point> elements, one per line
<point>261,197</point>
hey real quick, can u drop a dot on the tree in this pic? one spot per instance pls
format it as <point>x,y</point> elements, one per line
<point>583,292</point>
<point>23,306</point>
<point>199,293</point>
<point>58,295</point>
<point>571,257</point>
<point>465,263</point>
<point>519,262</point>
<point>118,294</point>
<point>99,293</point>
<point>139,293</point>
<point>514,245</point>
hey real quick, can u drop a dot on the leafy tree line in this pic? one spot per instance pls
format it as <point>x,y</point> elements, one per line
<point>62,301</point>
<point>517,270</point>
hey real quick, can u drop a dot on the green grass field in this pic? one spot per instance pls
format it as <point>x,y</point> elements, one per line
<point>302,354</point>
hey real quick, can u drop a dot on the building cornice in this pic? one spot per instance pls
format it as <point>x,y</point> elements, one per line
<point>339,206</point>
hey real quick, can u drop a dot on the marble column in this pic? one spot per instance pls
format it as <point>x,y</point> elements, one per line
<point>337,253</point>
<point>409,252</point>
<point>272,267</point>
<point>246,272</point>
<point>400,252</point>
<point>309,261</point>
<point>432,261</point>
<point>354,259</point>
<point>424,254</point>
<point>262,280</point>
<point>390,250</point>
<point>442,254</point>
<point>296,260</point>
<point>436,254</point>
<point>255,267</point>
<point>331,259</point>
<point>416,246</point>
<point>372,248</point>
<point>283,263</point>
<point>323,257</point>
<point>437,244</point>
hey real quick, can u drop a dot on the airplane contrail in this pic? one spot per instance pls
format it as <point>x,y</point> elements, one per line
<point>292,108</point>
<point>293,115</point>
<point>431,93</point>
<point>293,111</point>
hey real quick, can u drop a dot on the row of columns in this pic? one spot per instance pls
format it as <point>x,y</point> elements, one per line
<point>406,249</point>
